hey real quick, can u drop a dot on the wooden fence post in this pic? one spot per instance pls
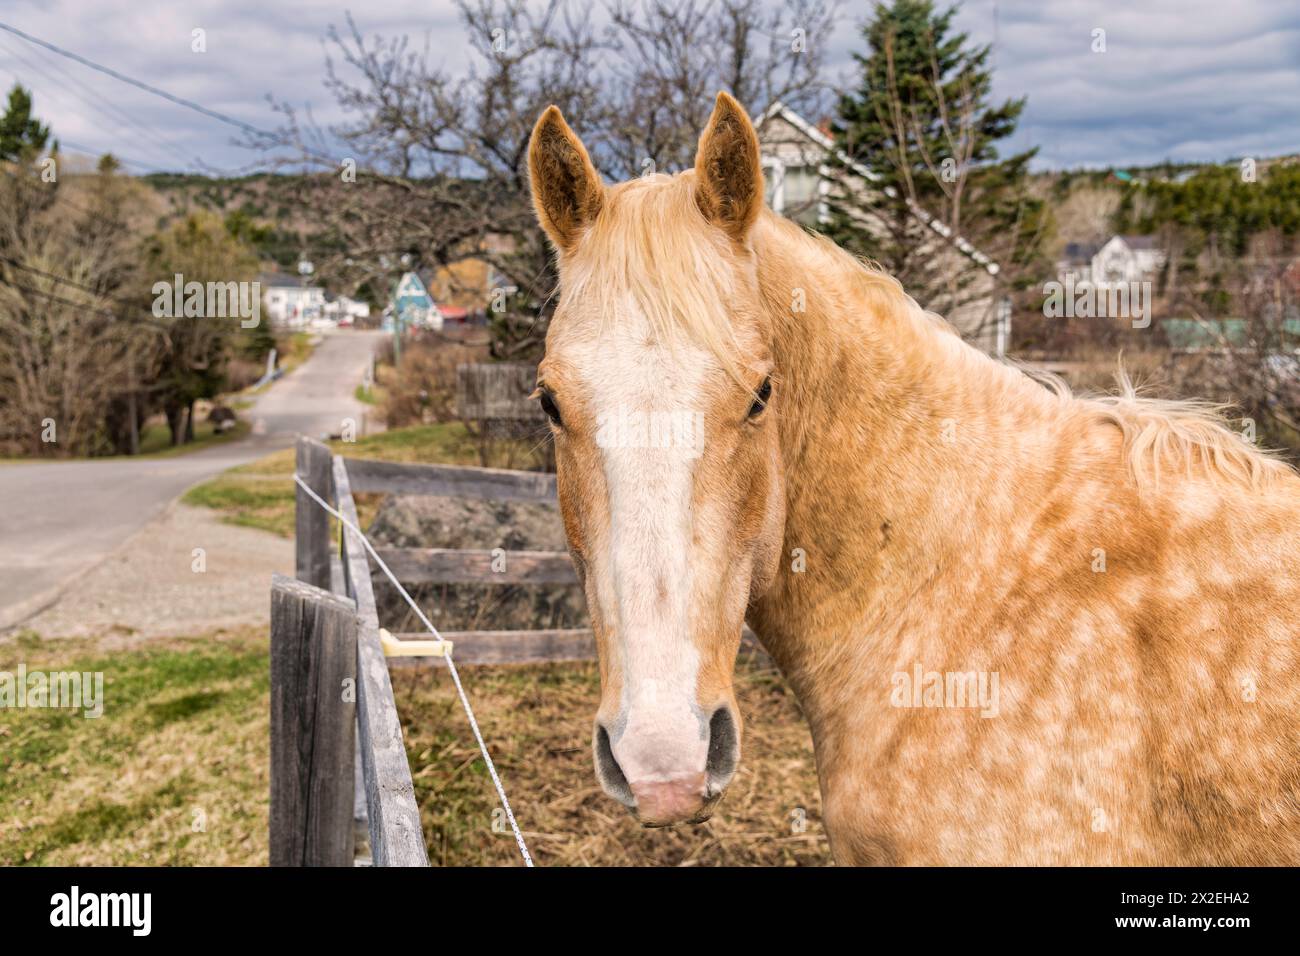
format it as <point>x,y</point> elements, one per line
<point>312,522</point>
<point>313,724</point>
<point>396,838</point>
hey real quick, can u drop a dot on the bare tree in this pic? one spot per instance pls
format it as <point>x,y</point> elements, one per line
<point>69,344</point>
<point>436,164</point>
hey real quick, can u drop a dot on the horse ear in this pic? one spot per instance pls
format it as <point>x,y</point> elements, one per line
<point>567,192</point>
<point>728,169</point>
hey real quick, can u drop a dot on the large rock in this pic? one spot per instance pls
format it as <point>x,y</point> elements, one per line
<point>438,522</point>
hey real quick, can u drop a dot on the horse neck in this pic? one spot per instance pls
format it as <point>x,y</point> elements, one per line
<point>894,435</point>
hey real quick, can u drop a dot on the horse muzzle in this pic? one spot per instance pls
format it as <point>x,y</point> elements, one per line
<point>662,797</point>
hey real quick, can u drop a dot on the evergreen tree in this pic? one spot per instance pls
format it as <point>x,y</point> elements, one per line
<point>21,134</point>
<point>921,122</point>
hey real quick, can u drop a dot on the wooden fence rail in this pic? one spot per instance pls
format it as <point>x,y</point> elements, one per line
<point>446,566</point>
<point>394,818</point>
<point>400,478</point>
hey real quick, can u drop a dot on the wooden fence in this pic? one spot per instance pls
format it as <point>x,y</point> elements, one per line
<point>339,772</point>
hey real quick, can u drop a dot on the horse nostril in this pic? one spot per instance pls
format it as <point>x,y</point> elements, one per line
<point>609,772</point>
<point>724,748</point>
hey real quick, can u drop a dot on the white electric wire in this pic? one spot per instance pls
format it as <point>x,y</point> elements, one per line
<point>451,665</point>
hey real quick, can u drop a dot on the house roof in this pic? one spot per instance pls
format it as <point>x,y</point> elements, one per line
<point>413,284</point>
<point>1140,242</point>
<point>1080,251</point>
<point>779,109</point>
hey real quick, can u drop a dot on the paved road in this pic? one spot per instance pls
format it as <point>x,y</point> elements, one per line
<point>58,519</point>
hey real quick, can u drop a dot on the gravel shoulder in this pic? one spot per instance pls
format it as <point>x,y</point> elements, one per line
<point>157,585</point>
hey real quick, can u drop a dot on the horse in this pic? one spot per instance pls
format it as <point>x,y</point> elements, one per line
<point>1025,627</point>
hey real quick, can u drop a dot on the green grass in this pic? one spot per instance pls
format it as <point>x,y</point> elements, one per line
<point>295,351</point>
<point>173,773</point>
<point>249,501</point>
<point>365,394</point>
<point>447,443</point>
<point>156,439</point>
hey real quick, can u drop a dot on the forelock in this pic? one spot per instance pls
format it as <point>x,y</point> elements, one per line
<point>651,250</point>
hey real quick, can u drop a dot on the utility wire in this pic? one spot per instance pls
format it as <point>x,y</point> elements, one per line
<point>58,298</point>
<point>62,84</point>
<point>59,197</point>
<point>170,97</point>
<point>139,84</point>
<point>451,667</point>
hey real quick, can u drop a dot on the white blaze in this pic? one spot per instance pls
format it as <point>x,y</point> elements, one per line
<point>644,574</point>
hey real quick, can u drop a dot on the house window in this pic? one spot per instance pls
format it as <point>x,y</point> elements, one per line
<point>802,194</point>
<point>798,192</point>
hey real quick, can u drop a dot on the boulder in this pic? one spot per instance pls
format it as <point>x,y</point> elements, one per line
<point>411,521</point>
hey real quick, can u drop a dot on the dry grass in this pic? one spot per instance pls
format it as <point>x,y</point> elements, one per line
<point>537,721</point>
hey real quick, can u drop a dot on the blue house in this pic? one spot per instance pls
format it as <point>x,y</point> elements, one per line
<point>413,305</point>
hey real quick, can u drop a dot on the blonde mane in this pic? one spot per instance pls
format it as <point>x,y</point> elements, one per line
<point>1191,433</point>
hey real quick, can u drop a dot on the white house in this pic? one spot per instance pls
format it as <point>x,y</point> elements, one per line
<point>341,310</point>
<point>800,182</point>
<point>1119,260</point>
<point>1126,259</point>
<point>289,301</point>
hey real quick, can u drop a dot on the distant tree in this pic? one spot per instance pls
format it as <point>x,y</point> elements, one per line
<point>921,122</point>
<point>1217,211</point>
<point>255,343</point>
<point>193,363</point>
<point>21,134</point>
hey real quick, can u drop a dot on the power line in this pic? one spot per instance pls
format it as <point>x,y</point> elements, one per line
<point>62,83</point>
<point>170,97</point>
<point>146,318</point>
<point>89,151</point>
<point>107,313</point>
<point>139,84</point>
<point>60,299</point>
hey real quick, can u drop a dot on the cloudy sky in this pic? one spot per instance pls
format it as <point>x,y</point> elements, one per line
<point>1179,79</point>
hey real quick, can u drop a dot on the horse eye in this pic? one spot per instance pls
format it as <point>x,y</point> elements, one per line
<point>760,403</point>
<point>549,407</point>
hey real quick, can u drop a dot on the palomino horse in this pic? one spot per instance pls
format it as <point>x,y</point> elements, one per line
<point>1024,627</point>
